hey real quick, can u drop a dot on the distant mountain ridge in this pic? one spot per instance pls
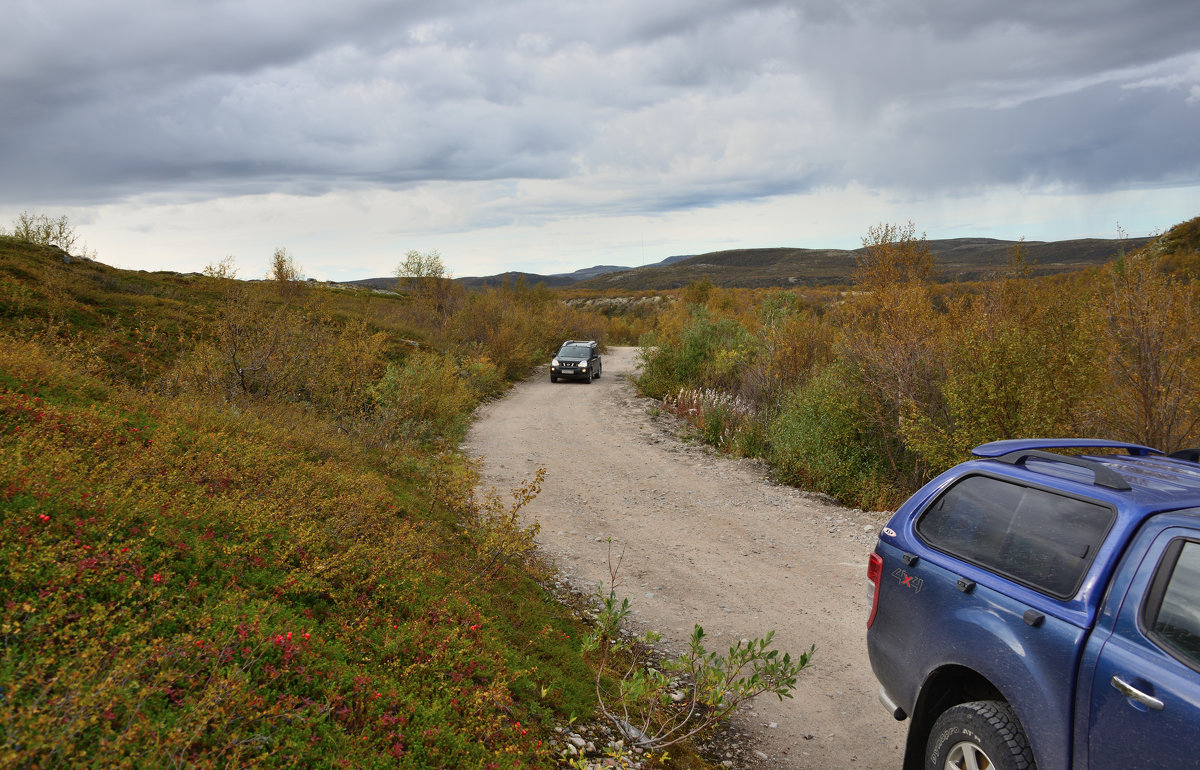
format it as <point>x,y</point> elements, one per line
<point>960,259</point>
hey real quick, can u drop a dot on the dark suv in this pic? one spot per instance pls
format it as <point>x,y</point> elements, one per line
<point>576,360</point>
<point>1041,609</point>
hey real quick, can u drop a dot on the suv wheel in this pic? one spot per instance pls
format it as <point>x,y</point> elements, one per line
<point>553,378</point>
<point>982,734</point>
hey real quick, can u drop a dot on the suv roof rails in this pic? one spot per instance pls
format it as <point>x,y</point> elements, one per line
<point>1018,451</point>
<point>1187,455</point>
<point>1104,476</point>
<point>996,449</point>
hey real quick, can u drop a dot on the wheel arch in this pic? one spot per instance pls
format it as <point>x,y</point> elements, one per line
<point>944,688</point>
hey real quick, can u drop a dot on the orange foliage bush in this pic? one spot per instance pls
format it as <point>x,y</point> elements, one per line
<point>866,396</point>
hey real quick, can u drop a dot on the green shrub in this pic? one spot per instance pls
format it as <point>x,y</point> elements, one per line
<point>424,399</point>
<point>642,701</point>
<point>820,440</point>
<point>722,419</point>
<point>706,352</point>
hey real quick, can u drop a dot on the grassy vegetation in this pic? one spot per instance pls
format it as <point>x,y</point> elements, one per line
<point>866,393</point>
<point>234,532</point>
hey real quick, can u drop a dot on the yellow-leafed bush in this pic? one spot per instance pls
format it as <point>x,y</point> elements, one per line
<point>424,398</point>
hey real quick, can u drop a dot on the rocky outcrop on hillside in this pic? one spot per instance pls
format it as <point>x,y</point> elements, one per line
<point>617,304</point>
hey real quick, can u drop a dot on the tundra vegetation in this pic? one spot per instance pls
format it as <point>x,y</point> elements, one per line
<point>234,529</point>
<point>867,391</point>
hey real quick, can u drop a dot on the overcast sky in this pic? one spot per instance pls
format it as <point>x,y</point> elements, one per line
<point>550,135</point>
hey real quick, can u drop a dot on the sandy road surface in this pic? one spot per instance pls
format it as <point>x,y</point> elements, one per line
<point>706,540</point>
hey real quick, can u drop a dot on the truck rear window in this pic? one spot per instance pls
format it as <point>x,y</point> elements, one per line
<point>1038,538</point>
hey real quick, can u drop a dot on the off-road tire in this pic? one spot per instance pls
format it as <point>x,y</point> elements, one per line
<point>981,728</point>
<point>553,378</point>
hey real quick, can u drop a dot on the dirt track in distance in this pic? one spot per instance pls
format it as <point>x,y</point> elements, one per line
<point>706,540</point>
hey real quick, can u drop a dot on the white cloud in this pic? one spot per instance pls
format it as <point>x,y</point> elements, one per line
<point>372,122</point>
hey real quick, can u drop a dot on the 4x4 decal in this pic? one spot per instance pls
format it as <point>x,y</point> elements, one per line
<point>908,581</point>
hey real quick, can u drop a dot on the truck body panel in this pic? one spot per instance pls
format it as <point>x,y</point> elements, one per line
<point>1112,730</point>
<point>1068,589</point>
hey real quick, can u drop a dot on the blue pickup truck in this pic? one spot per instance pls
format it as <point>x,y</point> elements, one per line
<point>1041,609</point>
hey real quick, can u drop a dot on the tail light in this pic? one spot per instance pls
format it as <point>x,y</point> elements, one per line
<point>874,573</point>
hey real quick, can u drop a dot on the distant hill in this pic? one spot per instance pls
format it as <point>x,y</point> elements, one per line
<point>554,280</point>
<point>590,272</point>
<point>378,284</point>
<point>958,259</point>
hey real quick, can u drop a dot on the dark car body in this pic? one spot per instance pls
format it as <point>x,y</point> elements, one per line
<point>576,360</point>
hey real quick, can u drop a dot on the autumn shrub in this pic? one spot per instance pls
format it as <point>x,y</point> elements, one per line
<point>345,361</point>
<point>1020,360</point>
<point>893,340</point>
<point>285,274</point>
<point>518,327</point>
<point>626,328</point>
<point>484,378</point>
<point>795,340</point>
<point>433,294</point>
<point>424,398</point>
<point>656,706</point>
<point>707,351</point>
<point>822,439</point>
<point>259,348</point>
<point>1178,250</point>
<point>497,533</point>
<point>45,230</point>
<point>266,350</point>
<point>1152,356</point>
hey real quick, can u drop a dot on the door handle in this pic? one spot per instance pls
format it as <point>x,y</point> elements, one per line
<point>1129,691</point>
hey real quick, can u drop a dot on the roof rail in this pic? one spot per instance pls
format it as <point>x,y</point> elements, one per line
<point>996,449</point>
<point>1104,476</point>
<point>1187,455</point>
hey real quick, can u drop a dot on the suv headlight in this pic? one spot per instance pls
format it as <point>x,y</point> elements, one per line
<point>554,362</point>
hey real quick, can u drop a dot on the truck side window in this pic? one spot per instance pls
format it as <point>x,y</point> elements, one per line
<point>1038,538</point>
<point>1174,619</point>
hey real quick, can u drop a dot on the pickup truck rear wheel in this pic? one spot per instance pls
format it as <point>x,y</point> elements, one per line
<point>982,735</point>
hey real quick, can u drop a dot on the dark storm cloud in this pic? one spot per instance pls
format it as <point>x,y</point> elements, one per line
<point>1095,139</point>
<point>673,104</point>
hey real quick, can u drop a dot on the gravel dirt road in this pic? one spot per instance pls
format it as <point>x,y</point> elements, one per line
<point>706,540</point>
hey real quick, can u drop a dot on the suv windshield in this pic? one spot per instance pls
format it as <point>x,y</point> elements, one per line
<point>574,351</point>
